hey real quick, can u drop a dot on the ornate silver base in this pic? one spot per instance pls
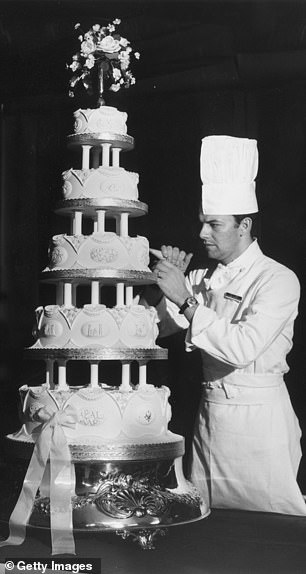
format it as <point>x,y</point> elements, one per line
<point>145,537</point>
<point>126,494</point>
<point>136,499</point>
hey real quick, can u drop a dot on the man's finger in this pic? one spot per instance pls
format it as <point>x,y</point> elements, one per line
<point>188,259</point>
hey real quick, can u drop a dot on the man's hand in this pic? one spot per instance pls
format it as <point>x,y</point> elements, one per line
<point>174,255</point>
<point>178,258</point>
<point>169,271</point>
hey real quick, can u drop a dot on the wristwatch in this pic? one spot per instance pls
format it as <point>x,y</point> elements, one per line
<point>188,303</point>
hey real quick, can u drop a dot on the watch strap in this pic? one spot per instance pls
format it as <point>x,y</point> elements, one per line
<point>188,303</point>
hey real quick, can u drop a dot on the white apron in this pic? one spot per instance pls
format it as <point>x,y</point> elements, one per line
<point>246,447</point>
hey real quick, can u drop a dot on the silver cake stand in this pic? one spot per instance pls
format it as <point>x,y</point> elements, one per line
<point>135,491</point>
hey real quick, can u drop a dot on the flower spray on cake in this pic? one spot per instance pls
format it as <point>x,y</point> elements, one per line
<point>103,51</point>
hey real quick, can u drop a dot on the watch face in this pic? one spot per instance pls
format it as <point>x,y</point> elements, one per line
<point>191,301</point>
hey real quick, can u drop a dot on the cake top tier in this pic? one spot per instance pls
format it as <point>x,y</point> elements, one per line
<point>104,124</point>
<point>99,120</point>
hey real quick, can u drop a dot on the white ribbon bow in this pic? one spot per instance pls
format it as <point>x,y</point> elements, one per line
<point>51,443</point>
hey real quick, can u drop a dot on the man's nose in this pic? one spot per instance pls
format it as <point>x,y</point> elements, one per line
<point>204,233</point>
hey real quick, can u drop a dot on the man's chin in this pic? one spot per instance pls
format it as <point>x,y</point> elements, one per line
<point>211,251</point>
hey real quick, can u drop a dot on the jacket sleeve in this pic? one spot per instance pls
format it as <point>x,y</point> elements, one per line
<point>170,321</point>
<point>241,342</point>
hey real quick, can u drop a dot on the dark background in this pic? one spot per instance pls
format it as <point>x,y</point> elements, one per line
<point>234,68</point>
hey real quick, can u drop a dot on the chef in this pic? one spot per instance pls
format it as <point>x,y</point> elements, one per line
<point>246,446</point>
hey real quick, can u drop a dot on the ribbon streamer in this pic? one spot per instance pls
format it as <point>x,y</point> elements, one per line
<point>51,443</point>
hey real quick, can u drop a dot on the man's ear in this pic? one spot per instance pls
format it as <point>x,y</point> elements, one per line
<point>245,225</point>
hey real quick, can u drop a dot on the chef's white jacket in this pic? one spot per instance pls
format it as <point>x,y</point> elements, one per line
<point>246,448</point>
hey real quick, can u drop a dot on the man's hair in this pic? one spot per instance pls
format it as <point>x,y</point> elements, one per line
<point>252,216</point>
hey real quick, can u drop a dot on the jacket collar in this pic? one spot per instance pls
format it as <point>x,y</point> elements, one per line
<point>247,258</point>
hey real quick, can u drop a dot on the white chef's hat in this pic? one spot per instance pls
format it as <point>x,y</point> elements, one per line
<point>228,170</point>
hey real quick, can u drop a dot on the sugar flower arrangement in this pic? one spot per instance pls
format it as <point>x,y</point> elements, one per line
<point>102,48</point>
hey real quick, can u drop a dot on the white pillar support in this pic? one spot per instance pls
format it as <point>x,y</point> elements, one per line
<point>116,156</point>
<point>101,220</point>
<point>85,156</point>
<point>105,154</point>
<point>124,224</point>
<point>77,223</point>
<point>62,383</point>
<point>94,374</point>
<point>129,295</point>
<point>50,373</point>
<point>125,377</point>
<point>68,295</point>
<point>95,293</point>
<point>142,373</point>
<point>120,294</point>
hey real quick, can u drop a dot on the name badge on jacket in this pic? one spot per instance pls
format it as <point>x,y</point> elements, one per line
<point>232,297</point>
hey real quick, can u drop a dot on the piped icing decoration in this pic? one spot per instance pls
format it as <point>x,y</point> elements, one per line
<point>99,413</point>
<point>131,326</point>
<point>112,182</point>
<point>99,251</point>
<point>104,119</point>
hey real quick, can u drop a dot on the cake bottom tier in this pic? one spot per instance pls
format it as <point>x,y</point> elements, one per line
<point>112,495</point>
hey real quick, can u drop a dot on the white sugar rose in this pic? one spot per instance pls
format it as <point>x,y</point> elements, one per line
<point>124,42</point>
<point>90,62</point>
<point>115,87</point>
<point>124,60</point>
<point>116,74</point>
<point>88,47</point>
<point>109,45</point>
<point>74,66</point>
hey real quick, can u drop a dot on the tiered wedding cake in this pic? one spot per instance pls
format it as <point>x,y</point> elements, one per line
<point>98,456</point>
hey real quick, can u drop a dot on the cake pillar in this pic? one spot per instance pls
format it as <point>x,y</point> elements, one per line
<point>125,377</point>
<point>129,295</point>
<point>68,295</point>
<point>95,293</point>
<point>94,374</point>
<point>85,156</point>
<point>50,373</point>
<point>62,383</point>
<point>77,223</point>
<point>120,294</point>
<point>116,156</point>
<point>124,224</point>
<point>105,154</point>
<point>142,373</point>
<point>101,221</point>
